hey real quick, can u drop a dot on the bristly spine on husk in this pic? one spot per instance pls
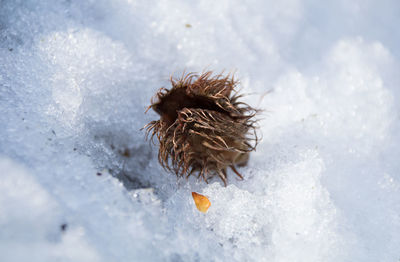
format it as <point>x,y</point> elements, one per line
<point>203,128</point>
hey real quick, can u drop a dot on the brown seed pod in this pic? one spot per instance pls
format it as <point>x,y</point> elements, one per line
<point>203,128</point>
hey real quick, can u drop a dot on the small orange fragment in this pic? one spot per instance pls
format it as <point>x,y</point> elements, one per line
<point>202,202</point>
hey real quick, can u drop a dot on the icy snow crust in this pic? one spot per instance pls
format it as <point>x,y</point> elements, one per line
<point>80,183</point>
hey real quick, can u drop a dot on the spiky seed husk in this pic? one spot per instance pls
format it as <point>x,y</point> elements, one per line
<point>203,128</point>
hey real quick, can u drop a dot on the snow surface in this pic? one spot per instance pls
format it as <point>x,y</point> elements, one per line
<point>80,183</point>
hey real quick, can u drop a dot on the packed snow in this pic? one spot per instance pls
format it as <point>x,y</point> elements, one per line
<point>79,182</point>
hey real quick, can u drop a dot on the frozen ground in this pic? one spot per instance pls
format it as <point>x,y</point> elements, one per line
<point>79,182</point>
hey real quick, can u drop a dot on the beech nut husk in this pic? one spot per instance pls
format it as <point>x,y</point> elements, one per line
<point>203,127</point>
